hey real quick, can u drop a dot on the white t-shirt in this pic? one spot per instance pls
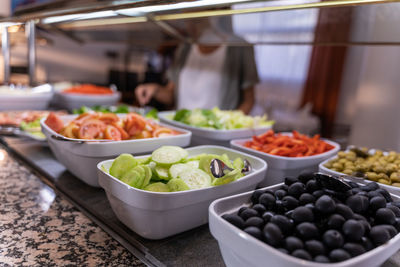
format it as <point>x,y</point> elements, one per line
<point>200,79</point>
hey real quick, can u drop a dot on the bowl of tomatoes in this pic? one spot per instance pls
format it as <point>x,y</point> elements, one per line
<point>287,154</point>
<point>80,142</point>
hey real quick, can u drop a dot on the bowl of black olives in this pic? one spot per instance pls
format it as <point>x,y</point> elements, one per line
<point>307,222</point>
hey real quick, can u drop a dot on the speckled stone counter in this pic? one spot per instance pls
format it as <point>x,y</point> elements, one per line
<point>38,227</point>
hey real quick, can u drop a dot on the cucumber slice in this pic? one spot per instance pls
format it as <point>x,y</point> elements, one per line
<point>139,169</point>
<point>162,173</point>
<point>144,161</point>
<point>147,175</point>
<point>122,164</point>
<point>230,177</point>
<point>193,164</point>
<point>238,163</point>
<point>133,178</point>
<point>168,155</point>
<point>176,169</point>
<point>177,184</point>
<point>157,187</point>
<point>196,178</point>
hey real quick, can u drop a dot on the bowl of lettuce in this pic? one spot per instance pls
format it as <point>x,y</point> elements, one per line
<point>208,125</point>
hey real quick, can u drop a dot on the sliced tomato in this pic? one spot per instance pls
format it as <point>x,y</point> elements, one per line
<point>71,131</point>
<point>112,133</point>
<point>85,116</point>
<point>162,131</point>
<point>135,124</point>
<point>92,129</point>
<point>54,122</point>
<point>124,134</point>
<point>109,118</point>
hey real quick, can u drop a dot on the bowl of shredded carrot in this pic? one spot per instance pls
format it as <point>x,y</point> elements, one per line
<point>86,95</point>
<point>287,154</point>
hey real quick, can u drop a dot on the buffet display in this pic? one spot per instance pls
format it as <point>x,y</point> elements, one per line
<point>303,222</point>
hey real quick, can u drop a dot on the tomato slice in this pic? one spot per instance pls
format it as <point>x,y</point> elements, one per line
<point>124,134</point>
<point>109,118</point>
<point>162,131</point>
<point>92,129</point>
<point>54,122</point>
<point>135,124</point>
<point>85,116</point>
<point>112,133</point>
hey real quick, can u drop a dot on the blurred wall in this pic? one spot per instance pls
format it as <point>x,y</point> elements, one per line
<point>370,95</point>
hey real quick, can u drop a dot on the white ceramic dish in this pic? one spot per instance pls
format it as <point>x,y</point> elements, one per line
<point>279,167</point>
<point>81,159</point>
<point>156,215</point>
<point>37,98</point>
<point>392,189</point>
<point>74,101</point>
<point>240,249</point>
<point>211,136</point>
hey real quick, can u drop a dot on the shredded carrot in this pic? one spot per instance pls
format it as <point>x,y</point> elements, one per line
<point>297,145</point>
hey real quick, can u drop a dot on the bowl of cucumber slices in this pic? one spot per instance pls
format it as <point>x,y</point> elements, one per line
<point>169,191</point>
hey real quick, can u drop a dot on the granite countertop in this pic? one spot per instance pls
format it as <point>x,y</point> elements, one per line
<point>39,227</point>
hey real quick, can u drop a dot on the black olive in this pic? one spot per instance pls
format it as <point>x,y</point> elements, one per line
<point>335,221</point>
<point>385,216</point>
<point>325,205</point>
<point>254,221</point>
<point>253,231</point>
<point>393,208</point>
<point>302,254</point>
<point>337,255</point>
<point>377,202</point>
<point>379,235</point>
<point>283,223</point>
<point>315,247</point>
<point>247,213</point>
<point>307,231</point>
<point>267,216</point>
<point>312,186</point>
<point>296,189</point>
<point>305,176</point>
<point>345,211</point>
<point>273,235</point>
<point>358,203</point>
<point>290,202</point>
<point>234,219</point>
<point>354,249</point>
<point>256,195</point>
<point>333,239</point>
<point>268,200</point>
<point>292,243</point>
<point>306,198</point>
<point>290,180</point>
<point>302,214</point>
<point>279,194</point>
<point>353,230</point>
<point>322,259</point>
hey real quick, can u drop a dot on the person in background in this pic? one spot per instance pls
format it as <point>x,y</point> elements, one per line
<point>207,76</point>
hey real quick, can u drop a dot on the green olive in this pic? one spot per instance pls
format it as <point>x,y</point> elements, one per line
<point>384,181</point>
<point>395,177</point>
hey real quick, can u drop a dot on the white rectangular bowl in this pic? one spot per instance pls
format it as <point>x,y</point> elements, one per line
<point>240,249</point>
<point>156,215</point>
<point>280,167</point>
<point>72,101</point>
<point>81,159</point>
<point>28,101</point>
<point>392,189</point>
<point>204,136</point>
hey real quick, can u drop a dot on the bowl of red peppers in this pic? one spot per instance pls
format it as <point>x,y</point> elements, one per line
<point>287,154</point>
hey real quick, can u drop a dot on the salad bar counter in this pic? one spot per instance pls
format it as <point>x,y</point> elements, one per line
<point>134,177</point>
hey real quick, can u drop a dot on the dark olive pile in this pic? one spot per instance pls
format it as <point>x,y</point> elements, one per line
<point>310,222</point>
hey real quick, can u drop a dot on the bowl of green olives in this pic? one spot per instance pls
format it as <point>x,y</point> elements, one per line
<point>371,164</point>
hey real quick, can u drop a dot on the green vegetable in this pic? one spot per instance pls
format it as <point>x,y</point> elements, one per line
<point>168,155</point>
<point>122,164</point>
<point>170,169</point>
<point>157,187</point>
<point>152,114</point>
<point>177,185</point>
<point>220,119</point>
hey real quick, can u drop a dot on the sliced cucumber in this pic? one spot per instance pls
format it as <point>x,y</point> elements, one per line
<point>133,178</point>
<point>177,184</point>
<point>139,169</point>
<point>196,178</point>
<point>147,175</point>
<point>162,173</point>
<point>168,155</point>
<point>122,164</point>
<point>230,177</point>
<point>193,164</point>
<point>176,169</point>
<point>142,161</point>
<point>157,187</point>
